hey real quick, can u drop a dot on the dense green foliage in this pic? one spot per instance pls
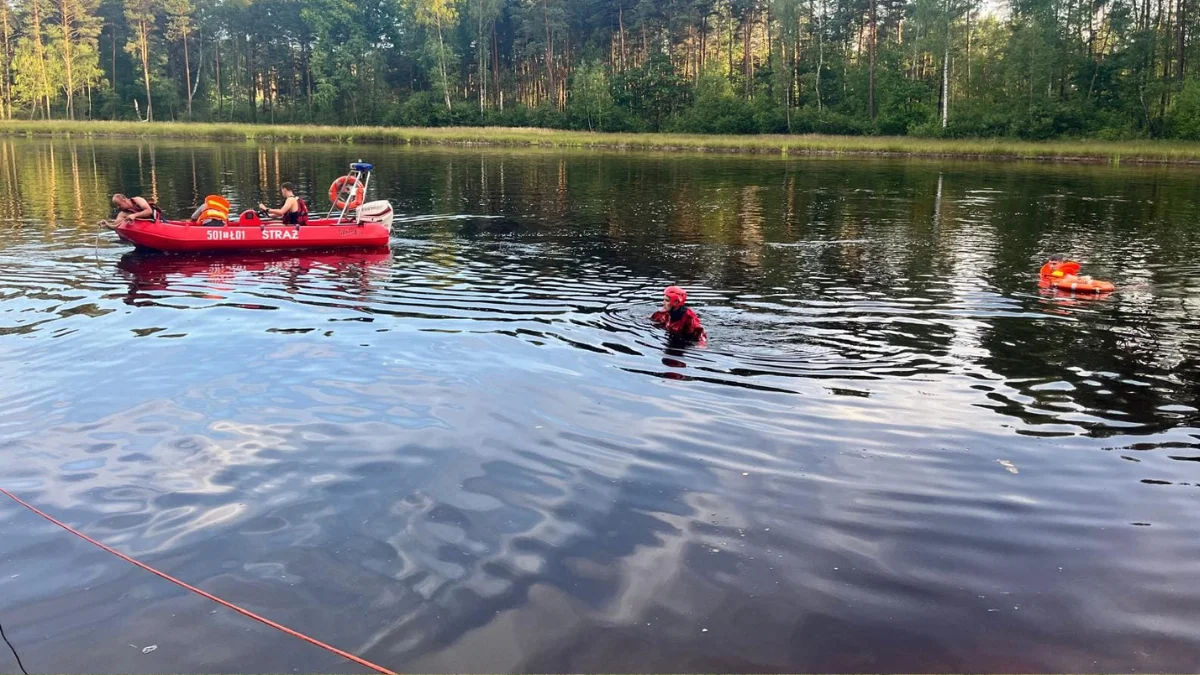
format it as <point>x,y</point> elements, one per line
<point>1036,69</point>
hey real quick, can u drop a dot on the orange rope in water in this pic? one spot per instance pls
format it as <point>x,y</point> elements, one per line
<point>245,612</point>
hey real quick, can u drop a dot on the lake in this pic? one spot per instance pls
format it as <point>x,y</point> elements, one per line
<point>476,454</point>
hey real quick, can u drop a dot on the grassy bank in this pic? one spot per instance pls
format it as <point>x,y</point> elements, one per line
<point>1075,151</point>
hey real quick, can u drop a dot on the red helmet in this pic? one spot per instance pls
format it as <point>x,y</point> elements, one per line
<point>675,295</point>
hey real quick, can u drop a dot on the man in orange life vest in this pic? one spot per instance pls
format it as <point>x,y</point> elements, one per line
<point>293,212</point>
<point>679,319</point>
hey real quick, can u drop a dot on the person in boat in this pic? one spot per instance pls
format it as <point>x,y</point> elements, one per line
<point>679,319</point>
<point>214,211</point>
<point>293,212</point>
<point>132,208</point>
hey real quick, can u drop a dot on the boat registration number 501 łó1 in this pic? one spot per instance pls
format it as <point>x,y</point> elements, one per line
<point>237,235</point>
<point>224,235</point>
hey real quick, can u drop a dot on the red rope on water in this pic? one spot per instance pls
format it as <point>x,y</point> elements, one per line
<point>224,603</point>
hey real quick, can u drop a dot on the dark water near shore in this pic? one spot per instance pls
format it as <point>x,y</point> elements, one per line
<point>474,454</point>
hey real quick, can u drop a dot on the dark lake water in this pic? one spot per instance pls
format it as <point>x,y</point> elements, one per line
<point>474,453</point>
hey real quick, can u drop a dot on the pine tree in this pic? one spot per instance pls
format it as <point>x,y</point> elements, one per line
<point>34,81</point>
<point>179,27</point>
<point>6,60</point>
<point>142,16</point>
<point>75,40</point>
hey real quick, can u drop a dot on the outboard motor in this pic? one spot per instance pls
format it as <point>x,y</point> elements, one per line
<point>376,212</point>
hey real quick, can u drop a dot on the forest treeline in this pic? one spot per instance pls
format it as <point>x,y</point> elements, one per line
<point>955,68</point>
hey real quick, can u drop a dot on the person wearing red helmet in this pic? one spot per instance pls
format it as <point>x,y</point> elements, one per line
<point>679,319</point>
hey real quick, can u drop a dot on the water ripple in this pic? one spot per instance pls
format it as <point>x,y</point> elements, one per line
<point>474,452</point>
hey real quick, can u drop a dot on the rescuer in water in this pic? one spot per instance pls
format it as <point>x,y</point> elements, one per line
<point>679,319</point>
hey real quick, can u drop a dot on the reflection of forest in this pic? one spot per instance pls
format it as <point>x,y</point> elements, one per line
<point>884,256</point>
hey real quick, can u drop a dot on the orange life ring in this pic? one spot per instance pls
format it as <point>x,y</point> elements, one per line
<point>1084,285</point>
<point>354,193</point>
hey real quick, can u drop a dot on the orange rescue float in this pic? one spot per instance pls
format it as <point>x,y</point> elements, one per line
<point>1063,275</point>
<point>347,192</point>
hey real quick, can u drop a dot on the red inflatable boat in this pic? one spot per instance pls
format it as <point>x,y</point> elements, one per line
<point>350,224</point>
<point>255,234</point>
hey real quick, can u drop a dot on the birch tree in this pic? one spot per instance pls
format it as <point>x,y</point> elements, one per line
<point>438,14</point>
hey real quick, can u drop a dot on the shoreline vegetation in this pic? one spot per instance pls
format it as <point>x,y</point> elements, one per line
<point>1076,151</point>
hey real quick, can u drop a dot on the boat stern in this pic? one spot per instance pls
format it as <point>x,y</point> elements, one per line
<point>377,212</point>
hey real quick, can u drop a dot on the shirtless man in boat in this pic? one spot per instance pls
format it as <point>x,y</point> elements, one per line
<point>293,212</point>
<point>131,208</point>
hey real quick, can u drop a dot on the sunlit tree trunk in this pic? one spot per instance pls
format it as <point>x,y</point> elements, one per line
<point>6,84</point>
<point>217,74</point>
<point>747,60</point>
<point>144,41</point>
<point>871,69</point>
<point>621,31</point>
<point>68,36</point>
<point>1181,20</point>
<point>39,50</point>
<point>187,73</point>
<point>770,42</point>
<point>820,52</point>
<point>251,80</point>
<point>970,8</point>
<point>946,82</point>
<point>141,15</point>
<point>308,88</point>
<point>480,49</point>
<point>442,63</point>
<point>1166,66</point>
<point>550,90</point>
<point>496,70</point>
<point>787,90</point>
<point>732,42</point>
